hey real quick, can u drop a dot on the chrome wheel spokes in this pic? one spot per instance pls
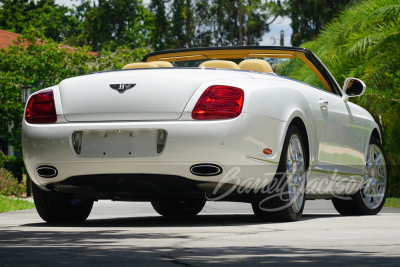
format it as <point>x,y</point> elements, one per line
<point>295,171</point>
<point>375,178</point>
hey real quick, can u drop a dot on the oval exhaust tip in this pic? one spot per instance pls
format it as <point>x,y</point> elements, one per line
<point>206,169</point>
<point>47,171</point>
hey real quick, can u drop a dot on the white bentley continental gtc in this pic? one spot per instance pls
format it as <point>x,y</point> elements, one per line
<point>187,126</point>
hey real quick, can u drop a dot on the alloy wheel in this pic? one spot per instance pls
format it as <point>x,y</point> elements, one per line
<point>295,171</point>
<point>375,178</point>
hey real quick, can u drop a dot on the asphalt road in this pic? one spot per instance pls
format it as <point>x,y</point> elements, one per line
<point>226,234</point>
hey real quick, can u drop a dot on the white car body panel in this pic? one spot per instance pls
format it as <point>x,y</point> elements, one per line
<point>158,95</point>
<point>188,143</point>
<point>271,103</point>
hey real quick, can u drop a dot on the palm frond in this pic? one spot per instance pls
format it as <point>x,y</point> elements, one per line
<point>388,40</point>
<point>385,13</point>
<point>361,45</point>
<point>390,67</point>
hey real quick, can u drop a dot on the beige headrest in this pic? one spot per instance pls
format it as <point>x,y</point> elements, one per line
<point>223,64</point>
<point>140,65</point>
<point>163,64</point>
<point>256,65</point>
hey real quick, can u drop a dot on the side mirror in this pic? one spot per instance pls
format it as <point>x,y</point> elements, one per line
<point>352,88</point>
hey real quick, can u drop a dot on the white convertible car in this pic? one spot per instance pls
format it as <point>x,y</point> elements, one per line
<point>190,125</point>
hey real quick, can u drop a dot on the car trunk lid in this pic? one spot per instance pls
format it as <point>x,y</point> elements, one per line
<point>151,94</point>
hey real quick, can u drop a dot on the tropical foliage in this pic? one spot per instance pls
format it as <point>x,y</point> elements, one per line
<point>110,24</point>
<point>19,15</point>
<point>187,23</point>
<point>310,16</point>
<point>164,24</point>
<point>364,42</point>
<point>40,62</point>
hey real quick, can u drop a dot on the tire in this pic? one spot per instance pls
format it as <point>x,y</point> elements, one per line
<point>57,207</point>
<point>277,203</point>
<point>358,204</point>
<point>178,208</point>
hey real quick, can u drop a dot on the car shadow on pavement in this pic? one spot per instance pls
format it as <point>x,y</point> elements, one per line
<point>159,221</point>
<point>246,247</point>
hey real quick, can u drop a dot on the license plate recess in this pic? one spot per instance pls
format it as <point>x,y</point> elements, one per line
<point>119,143</point>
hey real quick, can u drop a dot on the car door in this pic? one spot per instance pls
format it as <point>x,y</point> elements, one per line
<point>318,176</point>
<point>342,151</point>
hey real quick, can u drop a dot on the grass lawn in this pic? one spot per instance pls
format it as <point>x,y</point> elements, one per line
<point>393,202</point>
<point>7,204</point>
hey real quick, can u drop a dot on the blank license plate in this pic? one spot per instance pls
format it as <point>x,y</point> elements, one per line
<point>119,143</point>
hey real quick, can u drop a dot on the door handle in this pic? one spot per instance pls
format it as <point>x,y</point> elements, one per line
<point>323,103</point>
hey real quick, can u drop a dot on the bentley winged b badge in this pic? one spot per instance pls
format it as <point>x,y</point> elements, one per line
<point>122,87</point>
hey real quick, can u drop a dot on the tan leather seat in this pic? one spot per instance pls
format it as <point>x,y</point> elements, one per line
<point>163,64</point>
<point>223,64</point>
<point>139,65</point>
<point>256,65</point>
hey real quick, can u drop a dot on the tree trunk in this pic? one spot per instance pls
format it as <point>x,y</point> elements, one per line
<point>188,21</point>
<point>240,23</point>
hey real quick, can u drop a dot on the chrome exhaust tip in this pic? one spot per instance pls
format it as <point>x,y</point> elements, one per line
<point>47,171</point>
<point>206,169</point>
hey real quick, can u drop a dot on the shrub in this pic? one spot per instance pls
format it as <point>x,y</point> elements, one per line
<point>16,166</point>
<point>3,159</point>
<point>9,186</point>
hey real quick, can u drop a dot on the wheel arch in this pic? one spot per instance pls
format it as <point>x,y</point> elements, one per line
<point>299,123</point>
<point>375,133</point>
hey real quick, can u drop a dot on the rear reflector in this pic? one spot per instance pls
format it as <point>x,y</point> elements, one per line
<point>77,141</point>
<point>162,138</point>
<point>219,102</point>
<point>41,108</point>
<point>267,151</point>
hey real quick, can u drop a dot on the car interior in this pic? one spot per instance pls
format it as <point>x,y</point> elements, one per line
<point>257,65</point>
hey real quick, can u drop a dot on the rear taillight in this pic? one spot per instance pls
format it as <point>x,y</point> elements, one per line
<point>41,108</point>
<point>219,102</point>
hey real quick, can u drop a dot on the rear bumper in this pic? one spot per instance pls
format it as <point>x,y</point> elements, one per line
<point>227,143</point>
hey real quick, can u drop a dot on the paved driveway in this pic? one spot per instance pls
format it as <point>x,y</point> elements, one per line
<point>132,234</point>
